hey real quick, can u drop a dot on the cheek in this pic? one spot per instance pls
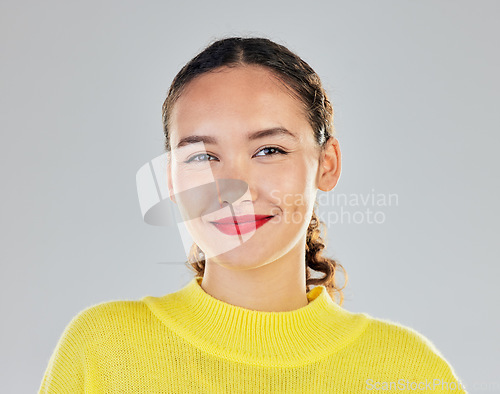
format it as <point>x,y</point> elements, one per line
<point>183,179</point>
<point>297,194</point>
<point>291,183</point>
<point>292,195</point>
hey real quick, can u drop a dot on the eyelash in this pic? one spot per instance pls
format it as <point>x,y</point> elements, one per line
<point>279,150</point>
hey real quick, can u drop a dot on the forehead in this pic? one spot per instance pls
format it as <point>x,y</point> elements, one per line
<point>238,98</point>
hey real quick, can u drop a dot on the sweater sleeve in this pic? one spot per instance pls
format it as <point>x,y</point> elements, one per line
<point>68,364</point>
<point>443,376</point>
<point>434,372</point>
<point>401,358</point>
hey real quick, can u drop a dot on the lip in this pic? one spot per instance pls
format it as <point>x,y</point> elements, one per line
<point>241,219</point>
<point>233,225</point>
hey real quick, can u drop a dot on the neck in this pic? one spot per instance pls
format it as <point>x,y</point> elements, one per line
<point>274,287</point>
<point>288,338</point>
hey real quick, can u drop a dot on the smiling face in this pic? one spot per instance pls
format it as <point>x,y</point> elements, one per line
<point>236,171</point>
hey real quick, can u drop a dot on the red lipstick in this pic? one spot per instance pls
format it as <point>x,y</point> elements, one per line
<point>233,225</point>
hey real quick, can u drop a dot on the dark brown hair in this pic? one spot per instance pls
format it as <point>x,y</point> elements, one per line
<point>306,86</point>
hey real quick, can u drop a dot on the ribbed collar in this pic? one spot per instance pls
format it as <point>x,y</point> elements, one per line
<point>288,338</point>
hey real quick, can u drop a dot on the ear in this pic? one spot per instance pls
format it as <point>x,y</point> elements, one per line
<point>169,180</point>
<point>330,164</point>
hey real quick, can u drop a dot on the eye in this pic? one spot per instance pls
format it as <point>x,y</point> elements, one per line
<point>274,148</point>
<point>192,158</point>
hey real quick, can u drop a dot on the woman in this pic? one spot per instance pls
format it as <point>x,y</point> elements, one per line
<point>250,139</point>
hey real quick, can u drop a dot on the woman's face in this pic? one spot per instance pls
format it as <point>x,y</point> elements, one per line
<point>238,175</point>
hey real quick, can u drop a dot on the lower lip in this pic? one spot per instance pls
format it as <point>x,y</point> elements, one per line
<point>242,228</point>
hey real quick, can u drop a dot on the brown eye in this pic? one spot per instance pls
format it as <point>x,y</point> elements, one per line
<point>276,150</point>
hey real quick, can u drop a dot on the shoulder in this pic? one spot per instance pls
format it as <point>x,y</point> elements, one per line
<point>107,310</point>
<point>82,339</point>
<point>396,337</point>
<point>396,334</point>
<point>411,351</point>
<point>98,321</point>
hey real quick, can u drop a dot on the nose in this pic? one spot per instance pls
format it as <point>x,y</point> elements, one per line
<point>230,191</point>
<point>232,180</point>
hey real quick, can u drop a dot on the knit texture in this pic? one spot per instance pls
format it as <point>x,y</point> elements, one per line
<point>190,342</point>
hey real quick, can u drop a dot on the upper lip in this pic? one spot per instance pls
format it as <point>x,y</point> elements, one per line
<point>241,219</point>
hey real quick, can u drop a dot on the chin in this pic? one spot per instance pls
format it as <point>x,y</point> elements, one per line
<point>236,260</point>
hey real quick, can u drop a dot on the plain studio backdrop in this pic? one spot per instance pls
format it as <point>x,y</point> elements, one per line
<point>414,86</point>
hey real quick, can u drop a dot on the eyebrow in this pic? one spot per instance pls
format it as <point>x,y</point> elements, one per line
<point>207,139</point>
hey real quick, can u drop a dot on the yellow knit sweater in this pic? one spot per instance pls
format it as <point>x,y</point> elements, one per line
<point>190,342</point>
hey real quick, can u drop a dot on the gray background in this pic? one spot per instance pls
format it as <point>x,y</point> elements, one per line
<point>414,87</point>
